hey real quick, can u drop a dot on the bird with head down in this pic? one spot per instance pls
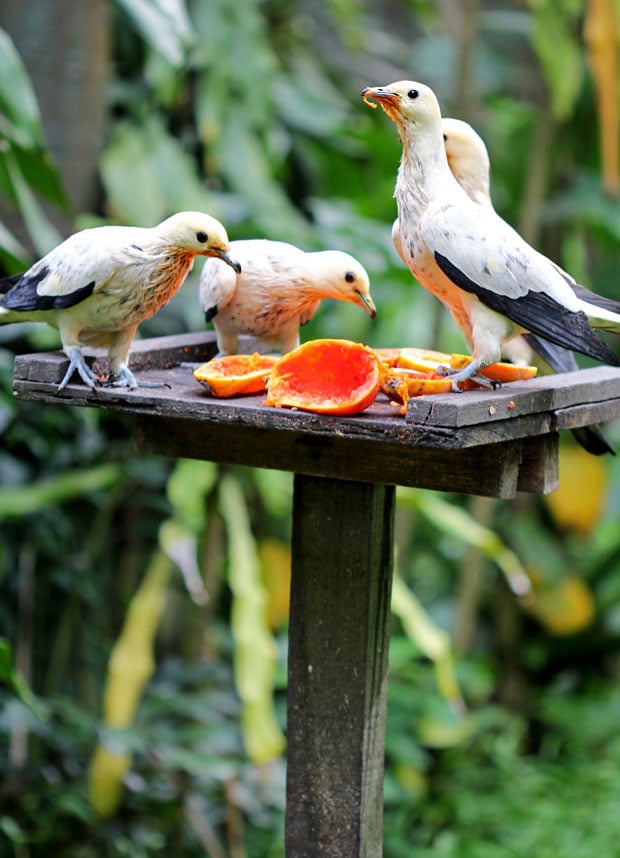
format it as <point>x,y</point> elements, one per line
<point>99,284</point>
<point>278,289</point>
<point>494,284</point>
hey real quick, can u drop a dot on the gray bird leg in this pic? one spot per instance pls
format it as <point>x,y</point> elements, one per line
<point>77,363</point>
<point>126,378</point>
<point>469,373</point>
<point>118,354</point>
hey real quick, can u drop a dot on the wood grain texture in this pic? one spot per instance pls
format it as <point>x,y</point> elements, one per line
<point>338,647</point>
<point>479,442</point>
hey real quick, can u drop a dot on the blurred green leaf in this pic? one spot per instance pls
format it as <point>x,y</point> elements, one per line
<point>164,24</point>
<point>20,120</point>
<point>43,234</point>
<point>431,640</point>
<point>148,174</point>
<point>17,501</point>
<point>254,645</point>
<point>555,38</point>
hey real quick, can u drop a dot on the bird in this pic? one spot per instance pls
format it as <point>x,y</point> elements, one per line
<point>99,284</point>
<point>469,163</point>
<point>278,289</point>
<point>494,284</point>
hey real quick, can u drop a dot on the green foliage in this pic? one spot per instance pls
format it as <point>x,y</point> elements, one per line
<point>25,165</point>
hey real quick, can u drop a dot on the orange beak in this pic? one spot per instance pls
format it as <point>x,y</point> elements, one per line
<point>387,99</point>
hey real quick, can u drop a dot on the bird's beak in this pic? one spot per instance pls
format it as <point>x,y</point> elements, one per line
<point>386,98</point>
<point>367,304</point>
<point>378,93</point>
<point>223,255</point>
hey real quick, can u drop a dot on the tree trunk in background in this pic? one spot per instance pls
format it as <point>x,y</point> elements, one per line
<point>65,47</point>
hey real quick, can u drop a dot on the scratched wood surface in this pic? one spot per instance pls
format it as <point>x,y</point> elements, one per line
<point>483,442</point>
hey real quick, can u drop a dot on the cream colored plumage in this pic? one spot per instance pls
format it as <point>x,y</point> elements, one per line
<point>101,283</point>
<point>469,163</point>
<point>494,284</point>
<point>279,289</point>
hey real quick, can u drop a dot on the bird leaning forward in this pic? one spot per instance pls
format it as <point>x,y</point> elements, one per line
<point>101,283</point>
<point>494,284</point>
<point>278,289</point>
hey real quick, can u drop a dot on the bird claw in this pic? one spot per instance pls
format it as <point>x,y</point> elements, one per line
<point>460,375</point>
<point>126,378</point>
<point>79,365</point>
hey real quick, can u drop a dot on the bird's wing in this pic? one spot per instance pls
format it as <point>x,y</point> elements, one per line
<point>75,269</point>
<point>483,255</point>
<point>41,288</point>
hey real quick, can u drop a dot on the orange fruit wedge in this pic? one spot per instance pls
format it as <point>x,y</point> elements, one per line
<point>388,356</point>
<point>499,371</point>
<point>400,384</point>
<point>424,360</point>
<point>231,375</point>
<point>427,360</point>
<point>327,376</point>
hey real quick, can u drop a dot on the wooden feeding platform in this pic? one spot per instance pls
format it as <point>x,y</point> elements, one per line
<point>492,443</point>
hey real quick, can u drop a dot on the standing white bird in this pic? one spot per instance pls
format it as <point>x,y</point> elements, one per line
<point>101,283</point>
<point>278,289</point>
<point>494,284</point>
<point>469,163</point>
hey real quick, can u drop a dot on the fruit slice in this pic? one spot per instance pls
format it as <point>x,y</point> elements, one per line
<point>388,356</point>
<point>400,384</point>
<point>500,371</point>
<point>231,375</point>
<point>326,376</point>
<point>428,360</point>
<point>424,360</point>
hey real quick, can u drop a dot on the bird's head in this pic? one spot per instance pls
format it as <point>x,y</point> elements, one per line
<point>467,157</point>
<point>406,102</point>
<point>345,278</point>
<point>198,234</point>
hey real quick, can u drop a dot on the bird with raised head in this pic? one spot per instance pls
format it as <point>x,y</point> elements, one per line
<point>99,284</point>
<point>494,284</point>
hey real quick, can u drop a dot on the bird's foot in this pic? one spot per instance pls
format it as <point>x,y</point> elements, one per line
<point>459,376</point>
<point>126,378</point>
<point>79,365</point>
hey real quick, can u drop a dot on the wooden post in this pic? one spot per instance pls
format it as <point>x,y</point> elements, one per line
<point>337,668</point>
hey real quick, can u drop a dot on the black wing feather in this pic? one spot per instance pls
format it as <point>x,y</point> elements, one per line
<point>7,283</point>
<point>22,296</point>
<point>538,313</point>
<point>591,438</point>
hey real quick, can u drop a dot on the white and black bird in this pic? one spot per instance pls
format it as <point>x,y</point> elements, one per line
<point>278,289</point>
<point>101,283</point>
<point>495,285</point>
<point>469,163</point>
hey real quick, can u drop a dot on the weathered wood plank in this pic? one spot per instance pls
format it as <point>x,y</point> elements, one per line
<point>543,394</point>
<point>450,422</point>
<point>338,646</point>
<point>539,469</point>
<point>36,380</point>
<point>493,471</point>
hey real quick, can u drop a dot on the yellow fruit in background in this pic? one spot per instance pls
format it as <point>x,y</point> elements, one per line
<point>564,607</point>
<point>275,561</point>
<point>578,502</point>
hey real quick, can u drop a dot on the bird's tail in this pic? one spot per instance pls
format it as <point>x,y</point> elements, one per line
<point>603,313</point>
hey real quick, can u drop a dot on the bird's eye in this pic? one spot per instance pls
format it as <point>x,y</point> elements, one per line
<point>349,277</point>
<point>201,236</point>
<point>445,137</point>
<point>413,93</point>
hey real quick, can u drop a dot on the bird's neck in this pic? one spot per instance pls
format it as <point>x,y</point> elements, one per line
<point>423,168</point>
